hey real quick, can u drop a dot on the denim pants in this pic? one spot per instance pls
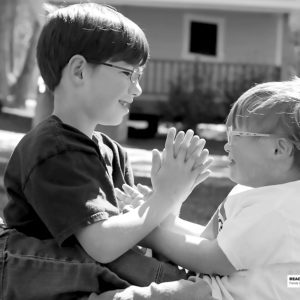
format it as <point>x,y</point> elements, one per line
<point>33,269</point>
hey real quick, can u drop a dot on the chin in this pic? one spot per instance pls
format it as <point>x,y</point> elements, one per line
<point>237,179</point>
<point>112,122</point>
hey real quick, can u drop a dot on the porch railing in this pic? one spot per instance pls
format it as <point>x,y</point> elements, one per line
<point>159,75</point>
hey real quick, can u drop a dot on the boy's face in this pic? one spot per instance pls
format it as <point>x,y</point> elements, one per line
<point>109,92</point>
<point>250,159</point>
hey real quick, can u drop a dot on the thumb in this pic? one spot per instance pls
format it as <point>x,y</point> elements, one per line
<point>156,162</point>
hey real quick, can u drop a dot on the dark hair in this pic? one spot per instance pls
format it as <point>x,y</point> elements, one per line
<point>98,33</point>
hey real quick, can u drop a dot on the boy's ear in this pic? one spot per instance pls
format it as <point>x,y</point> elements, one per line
<point>283,147</point>
<point>76,64</point>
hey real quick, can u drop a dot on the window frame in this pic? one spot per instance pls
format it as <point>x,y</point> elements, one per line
<point>219,21</point>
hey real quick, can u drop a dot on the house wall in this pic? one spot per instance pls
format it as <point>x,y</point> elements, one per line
<point>248,37</point>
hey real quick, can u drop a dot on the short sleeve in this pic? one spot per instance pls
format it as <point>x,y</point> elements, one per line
<point>250,240</point>
<point>70,190</point>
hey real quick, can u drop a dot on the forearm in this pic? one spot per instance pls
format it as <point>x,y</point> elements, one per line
<point>192,252</point>
<point>176,224</point>
<point>108,239</point>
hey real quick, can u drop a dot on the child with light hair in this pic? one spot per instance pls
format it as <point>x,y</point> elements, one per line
<point>251,247</point>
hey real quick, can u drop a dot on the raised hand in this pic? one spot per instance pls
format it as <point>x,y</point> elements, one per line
<point>196,146</point>
<point>182,165</point>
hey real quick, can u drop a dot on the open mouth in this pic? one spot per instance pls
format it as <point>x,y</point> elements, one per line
<point>229,161</point>
<point>124,103</point>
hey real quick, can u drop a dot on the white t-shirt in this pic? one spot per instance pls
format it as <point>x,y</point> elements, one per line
<point>260,235</point>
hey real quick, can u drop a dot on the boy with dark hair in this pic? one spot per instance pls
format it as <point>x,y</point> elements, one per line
<point>62,216</point>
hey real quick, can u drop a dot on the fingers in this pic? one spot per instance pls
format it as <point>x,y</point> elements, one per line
<point>202,176</point>
<point>122,199</point>
<point>156,162</point>
<point>203,171</point>
<point>144,189</point>
<point>200,156</point>
<point>179,139</point>
<point>130,198</point>
<point>185,144</point>
<point>197,145</point>
<point>130,191</point>
<point>169,149</point>
<point>121,196</point>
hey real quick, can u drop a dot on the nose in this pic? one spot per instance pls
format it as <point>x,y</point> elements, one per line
<point>227,147</point>
<point>135,89</point>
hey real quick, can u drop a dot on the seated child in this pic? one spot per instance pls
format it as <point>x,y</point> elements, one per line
<point>67,236</point>
<point>251,247</point>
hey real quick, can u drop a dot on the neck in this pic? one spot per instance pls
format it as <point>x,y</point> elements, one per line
<point>290,176</point>
<point>71,113</point>
<point>79,123</point>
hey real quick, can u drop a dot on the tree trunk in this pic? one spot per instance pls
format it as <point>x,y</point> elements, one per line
<point>26,85</point>
<point>7,15</point>
<point>27,80</point>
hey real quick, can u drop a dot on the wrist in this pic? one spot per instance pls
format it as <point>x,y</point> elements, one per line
<point>168,196</point>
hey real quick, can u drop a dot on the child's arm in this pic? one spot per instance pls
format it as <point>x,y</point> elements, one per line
<point>189,251</point>
<point>132,197</point>
<point>108,239</point>
<point>176,224</point>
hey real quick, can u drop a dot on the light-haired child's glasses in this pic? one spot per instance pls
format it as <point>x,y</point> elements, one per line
<point>231,133</point>
<point>134,74</point>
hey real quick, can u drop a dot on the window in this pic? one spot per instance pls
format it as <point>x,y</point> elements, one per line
<point>203,38</point>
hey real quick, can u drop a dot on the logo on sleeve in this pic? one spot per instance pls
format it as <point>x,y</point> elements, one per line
<point>221,216</point>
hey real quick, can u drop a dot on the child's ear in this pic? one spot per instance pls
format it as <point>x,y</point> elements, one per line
<point>283,147</point>
<point>76,65</point>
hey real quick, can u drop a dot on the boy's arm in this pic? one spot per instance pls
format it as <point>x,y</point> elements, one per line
<point>192,252</point>
<point>108,239</point>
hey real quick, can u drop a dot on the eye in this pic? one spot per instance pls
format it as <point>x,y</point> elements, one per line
<point>126,73</point>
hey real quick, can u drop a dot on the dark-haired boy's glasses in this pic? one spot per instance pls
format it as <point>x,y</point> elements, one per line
<point>231,133</point>
<point>134,74</point>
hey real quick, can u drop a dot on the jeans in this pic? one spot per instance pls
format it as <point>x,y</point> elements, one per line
<point>33,269</point>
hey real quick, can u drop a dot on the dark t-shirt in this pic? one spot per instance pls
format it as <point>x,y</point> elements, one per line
<point>58,180</point>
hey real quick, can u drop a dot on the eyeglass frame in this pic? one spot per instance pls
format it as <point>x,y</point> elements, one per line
<point>231,133</point>
<point>133,71</point>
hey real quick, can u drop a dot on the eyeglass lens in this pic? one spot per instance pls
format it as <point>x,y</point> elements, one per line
<point>135,76</point>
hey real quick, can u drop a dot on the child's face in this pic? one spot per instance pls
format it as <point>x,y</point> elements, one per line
<point>109,92</point>
<point>250,159</point>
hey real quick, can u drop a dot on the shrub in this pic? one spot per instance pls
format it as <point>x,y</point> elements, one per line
<point>193,101</point>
